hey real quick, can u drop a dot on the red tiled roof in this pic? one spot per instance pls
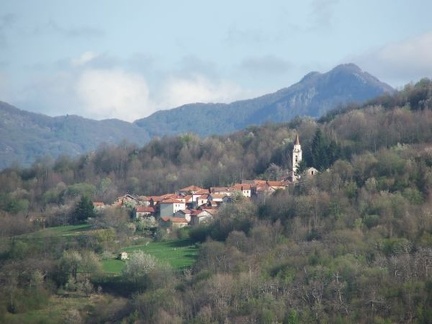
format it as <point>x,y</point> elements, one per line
<point>144,209</point>
<point>156,198</point>
<point>169,195</point>
<point>171,201</point>
<point>188,198</point>
<point>219,195</point>
<point>201,192</point>
<point>192,188</point>
<point>276,183</point>
<point>241,186</point>
<point>219,189</point>
<point>211,211</point>
<point>185,211</point>
<point>178,220</point>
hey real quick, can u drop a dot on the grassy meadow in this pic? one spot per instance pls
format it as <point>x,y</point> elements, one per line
<point>177,253</point>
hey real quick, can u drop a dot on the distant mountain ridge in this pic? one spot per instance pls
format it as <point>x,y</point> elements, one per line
<point>313,96</point>
<point>24,136</point>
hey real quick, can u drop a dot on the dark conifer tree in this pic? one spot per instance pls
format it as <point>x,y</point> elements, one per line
<point>323,153</point>
<point>319,151</point>
<point>83,210</point>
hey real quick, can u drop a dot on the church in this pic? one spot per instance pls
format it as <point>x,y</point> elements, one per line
<point>297,157</point>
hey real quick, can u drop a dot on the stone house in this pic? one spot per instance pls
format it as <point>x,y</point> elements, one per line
<point>143,212</point>
<point>167,208</point>
<point>202,216</point>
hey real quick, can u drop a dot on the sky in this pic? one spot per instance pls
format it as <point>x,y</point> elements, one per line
<point>127,59</point>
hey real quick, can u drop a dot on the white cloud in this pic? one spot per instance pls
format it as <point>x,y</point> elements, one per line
<point>97,91</point>
<point>114,94</point>
<point>50,93</point>
<point>85,58</point>
<point>401,62</point>
<point>180,91</point>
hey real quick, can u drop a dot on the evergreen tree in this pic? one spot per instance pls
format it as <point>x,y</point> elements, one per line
<point>319,151</point>
<point>323,153</point>
<point>334,152</point>
<point>83,210</point>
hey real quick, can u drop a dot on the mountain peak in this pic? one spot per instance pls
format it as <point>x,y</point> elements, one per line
<point>310,76</point>
<point>348,72</point>
<point>348,67</point>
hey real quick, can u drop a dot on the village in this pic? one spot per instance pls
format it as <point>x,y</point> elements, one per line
<point>193,205</point>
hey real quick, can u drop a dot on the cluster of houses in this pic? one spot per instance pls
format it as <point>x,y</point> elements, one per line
<point>192,205</point>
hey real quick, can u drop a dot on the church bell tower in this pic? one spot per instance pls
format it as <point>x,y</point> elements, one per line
<point>296,156</point>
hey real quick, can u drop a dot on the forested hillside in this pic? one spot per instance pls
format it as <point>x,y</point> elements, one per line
<point>26,137</point>
<point>352,244</point>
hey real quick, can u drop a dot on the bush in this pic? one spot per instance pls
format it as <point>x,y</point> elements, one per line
<point>183,233</point>
<point>199,233</point>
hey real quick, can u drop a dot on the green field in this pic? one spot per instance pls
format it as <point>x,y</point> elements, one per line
<point>112,266</point>
<point>50,235</point>
<point>68,229</point>
<point>177,253</point>
<point>59,231</point>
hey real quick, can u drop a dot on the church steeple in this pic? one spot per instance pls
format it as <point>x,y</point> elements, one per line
<point>296,156</point>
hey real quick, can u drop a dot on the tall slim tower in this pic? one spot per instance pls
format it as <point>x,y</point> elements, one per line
<point>296,156</point>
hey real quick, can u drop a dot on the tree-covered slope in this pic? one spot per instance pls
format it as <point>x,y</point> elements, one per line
<point>24,136</point>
